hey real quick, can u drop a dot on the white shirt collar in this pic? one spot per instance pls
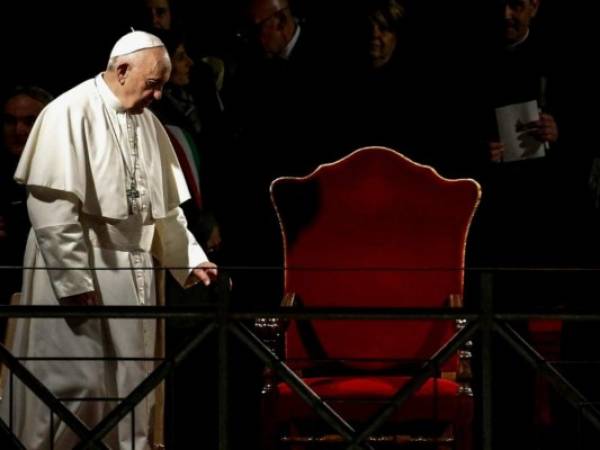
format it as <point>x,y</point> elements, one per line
<point>514,45</point>
<point>110,99</point>
<point>290,47</point>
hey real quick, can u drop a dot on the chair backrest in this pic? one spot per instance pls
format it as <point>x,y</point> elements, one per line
<point>374,229</point>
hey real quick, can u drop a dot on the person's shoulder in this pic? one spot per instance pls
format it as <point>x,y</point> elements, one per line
<point>77,97</point>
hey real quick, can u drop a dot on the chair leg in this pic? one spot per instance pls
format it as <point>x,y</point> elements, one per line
<point>269,437</point>
<point>463,436</point>
<point>294,431</point>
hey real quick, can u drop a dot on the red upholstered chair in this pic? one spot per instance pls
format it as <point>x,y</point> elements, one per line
<point>373,229</point>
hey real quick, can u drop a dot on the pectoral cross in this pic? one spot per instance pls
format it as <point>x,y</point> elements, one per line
<point>132,194</point>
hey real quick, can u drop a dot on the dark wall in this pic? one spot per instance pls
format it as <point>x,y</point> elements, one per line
<point>58,44</point>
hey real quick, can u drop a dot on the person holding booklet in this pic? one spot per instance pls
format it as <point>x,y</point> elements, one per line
<point>533,219</point>
<point>521,201</point>
<point>520,209</point>
<point>521,84</point>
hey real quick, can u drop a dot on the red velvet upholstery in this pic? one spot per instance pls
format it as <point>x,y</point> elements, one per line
<point>343,392</point>
<point>374,229</point>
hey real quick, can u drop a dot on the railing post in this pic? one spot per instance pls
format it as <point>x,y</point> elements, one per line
<point>223,370</point>
<point>487,324</point>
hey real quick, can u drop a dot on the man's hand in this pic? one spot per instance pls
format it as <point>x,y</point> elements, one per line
<point>205,272</point>
<point>545,129</point>
<point>84,299</point>
<point>496,151</point>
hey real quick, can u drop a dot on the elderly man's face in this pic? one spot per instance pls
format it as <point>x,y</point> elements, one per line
<point>517,17</point>
<point>145,78</point>
<point>269,18</point>
<point>19,113</point>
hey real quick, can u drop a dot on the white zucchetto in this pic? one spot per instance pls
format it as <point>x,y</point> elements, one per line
<point>135,41</point>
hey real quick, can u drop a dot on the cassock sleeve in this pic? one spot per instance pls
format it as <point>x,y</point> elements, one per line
<point>55,221</point>
<point>176,247</point>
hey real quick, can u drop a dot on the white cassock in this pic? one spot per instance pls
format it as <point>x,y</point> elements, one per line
<point>77,165</point>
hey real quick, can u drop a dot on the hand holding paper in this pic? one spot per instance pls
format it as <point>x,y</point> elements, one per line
<point>523,131</point>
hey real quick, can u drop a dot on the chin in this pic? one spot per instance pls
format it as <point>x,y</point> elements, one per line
<point>375,56</point>
<point>137,110</point>
<point>512,36</point>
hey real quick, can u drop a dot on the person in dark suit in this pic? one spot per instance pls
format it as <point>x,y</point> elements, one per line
<point>271,106</point>
<point>271,103</point>
<point>19,111</point>
<point>531,215</point>
<point>380,104</point>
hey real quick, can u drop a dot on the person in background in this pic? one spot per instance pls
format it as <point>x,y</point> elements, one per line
<point>19,111</point>
<point>531,217</point>
<point>268,134</point>
<point>271,135</point>
<point>159,13</point>
<point>379,109</point>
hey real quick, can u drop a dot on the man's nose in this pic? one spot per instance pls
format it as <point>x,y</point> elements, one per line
<point>376,31</point>
<point>156,20</point>
<point>157,94</point>
<point>508,12</point>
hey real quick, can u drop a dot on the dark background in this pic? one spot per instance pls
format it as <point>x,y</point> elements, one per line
<point>58,44</point>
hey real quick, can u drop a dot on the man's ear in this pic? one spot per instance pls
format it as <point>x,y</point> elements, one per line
<point>535,4</point>
<point>122,72</point>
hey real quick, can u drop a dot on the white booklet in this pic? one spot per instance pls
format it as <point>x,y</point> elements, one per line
<point>514,126</point>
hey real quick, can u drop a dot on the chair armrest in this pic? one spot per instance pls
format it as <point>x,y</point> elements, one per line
<point>464,373</point>
<point>289,300</point>
<point>270,330</point>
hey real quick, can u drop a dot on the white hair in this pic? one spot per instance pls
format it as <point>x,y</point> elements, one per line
<point>131,59</point>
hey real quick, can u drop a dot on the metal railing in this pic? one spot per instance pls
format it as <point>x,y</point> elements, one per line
<point>224,320</point>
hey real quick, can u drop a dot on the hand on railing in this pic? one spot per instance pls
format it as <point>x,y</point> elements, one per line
<point>206,272</point>
<point>84,299</point>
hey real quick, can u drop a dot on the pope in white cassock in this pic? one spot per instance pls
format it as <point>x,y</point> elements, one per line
<point>104,192</point>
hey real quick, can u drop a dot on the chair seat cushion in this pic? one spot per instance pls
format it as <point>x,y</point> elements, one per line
<point>356,398</point>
